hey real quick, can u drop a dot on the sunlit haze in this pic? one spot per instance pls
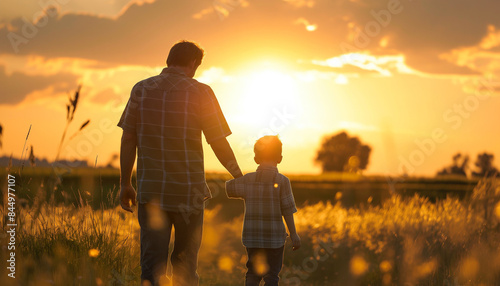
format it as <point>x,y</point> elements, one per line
<point>416,90</point>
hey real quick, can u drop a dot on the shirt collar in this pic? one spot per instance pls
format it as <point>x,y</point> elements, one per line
<point>173,70</point>
<point>267,168</point>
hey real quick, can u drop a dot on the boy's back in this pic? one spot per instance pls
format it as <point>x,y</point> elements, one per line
<point>268,197</point>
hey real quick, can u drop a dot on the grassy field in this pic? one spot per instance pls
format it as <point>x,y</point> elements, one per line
<point>70,232</point>
<point>98,187</point>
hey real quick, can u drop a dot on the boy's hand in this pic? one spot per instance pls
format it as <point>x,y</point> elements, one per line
<point>295,241</point>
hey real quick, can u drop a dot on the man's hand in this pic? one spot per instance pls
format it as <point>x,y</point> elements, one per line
<point>127,159</point>
<point>295,241</point>
<point>127,195</point>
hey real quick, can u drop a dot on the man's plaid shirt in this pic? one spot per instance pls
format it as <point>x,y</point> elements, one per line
<point>168,112</point>
<point>268,197</point>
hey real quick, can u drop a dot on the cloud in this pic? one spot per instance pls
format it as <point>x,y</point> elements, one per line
<point>105,96</point>
<point>301,3</point>
<point>481,86</point>
<point>16,86</point>
<point>203,13</point>
<point>132,37</point>
<point>143,34</point>
<point>11,9</point>
<point>309,27</point>
<point>213,74</point>
<point>421,31</point>
<point>483,56</point>
<point>384,65</point>
<point>322,66</point>
<point>224,7</point>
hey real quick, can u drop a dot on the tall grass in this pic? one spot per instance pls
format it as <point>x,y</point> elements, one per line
<point>70,114</point>
<point>405,241</point>
<point>1,134</point>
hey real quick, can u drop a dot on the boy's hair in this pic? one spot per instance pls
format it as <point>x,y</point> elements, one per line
<point>183,53</point>
<point>268,148</point>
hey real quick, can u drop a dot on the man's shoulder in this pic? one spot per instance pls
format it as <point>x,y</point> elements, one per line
<point>185,82</point>
<point>171,82</point>
<point>149,83</point>
<point>202,86</point>
<point>192,83</point>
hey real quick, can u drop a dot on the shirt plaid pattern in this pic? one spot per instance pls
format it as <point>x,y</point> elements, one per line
<point>168,112</point>
<point>268,197</point>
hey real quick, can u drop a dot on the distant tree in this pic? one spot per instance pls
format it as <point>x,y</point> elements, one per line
<point>484,164</point>
<point>342,153</point>
<point>114,157</point>
<point>459,166</point>
<point>1,131</point>
<point>32,158</point>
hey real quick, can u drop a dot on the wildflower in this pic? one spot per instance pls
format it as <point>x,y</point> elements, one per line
<point>469,268</point>
<point>226,264</point>
<point>385,266</point>
<point>338,196</point>
<point>94,252</point>
<point>358,265</point>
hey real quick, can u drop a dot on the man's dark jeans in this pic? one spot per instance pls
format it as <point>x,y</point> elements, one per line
<point>264,263</point>
<point>156,226</point>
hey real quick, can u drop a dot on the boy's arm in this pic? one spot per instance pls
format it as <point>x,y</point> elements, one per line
<point>290,224</point>
<point>288,208</point>
<point>235,188</point>
<point>287,201</point>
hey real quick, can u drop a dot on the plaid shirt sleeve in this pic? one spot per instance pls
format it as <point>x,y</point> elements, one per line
<point>286,197</point>
<point>213,122</point>
<point>235,188</point>
<point>128,119</point>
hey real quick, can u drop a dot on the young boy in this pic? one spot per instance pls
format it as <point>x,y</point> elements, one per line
<point>268,198</point>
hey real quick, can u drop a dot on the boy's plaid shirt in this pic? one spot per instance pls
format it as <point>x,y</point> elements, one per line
<point>168,112</point>
<point>268,197</point>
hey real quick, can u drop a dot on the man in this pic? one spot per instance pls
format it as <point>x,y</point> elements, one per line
<point>163,121</point>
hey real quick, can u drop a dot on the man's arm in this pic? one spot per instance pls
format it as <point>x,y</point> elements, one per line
<point>226,156</point>
<point>127,160</point>
<point>290,223</point>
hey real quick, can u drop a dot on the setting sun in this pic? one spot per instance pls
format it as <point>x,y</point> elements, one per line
<point>265,93</point>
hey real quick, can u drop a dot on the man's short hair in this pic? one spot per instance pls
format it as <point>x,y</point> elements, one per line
<point>183,53</point>
<point>268,148</point>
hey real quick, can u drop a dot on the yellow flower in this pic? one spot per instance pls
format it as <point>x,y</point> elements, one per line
<point>94,252</point>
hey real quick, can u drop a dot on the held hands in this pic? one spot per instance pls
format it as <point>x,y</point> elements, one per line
<point>295,241</point>
<point>127,195</point>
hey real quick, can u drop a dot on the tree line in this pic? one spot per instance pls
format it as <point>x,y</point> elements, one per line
<point>344,153</point>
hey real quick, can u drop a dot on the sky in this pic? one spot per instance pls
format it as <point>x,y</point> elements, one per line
<point>417,80</point>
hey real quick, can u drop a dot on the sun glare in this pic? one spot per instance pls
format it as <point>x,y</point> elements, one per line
<point>265,95</point>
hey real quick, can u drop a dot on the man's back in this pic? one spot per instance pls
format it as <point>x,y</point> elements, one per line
<point>162,122</point>
<point>168,112</point>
